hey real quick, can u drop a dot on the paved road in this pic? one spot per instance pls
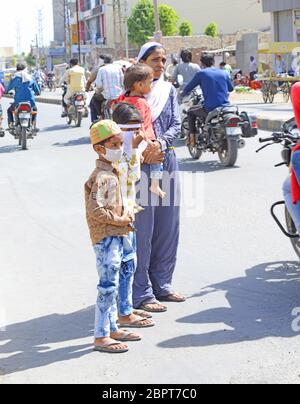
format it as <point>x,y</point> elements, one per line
<point>239,272</point>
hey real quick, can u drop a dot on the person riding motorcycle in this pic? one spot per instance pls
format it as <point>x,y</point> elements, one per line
<point>110,80</point>
<point>291,186</point>
<point>50,78</point>
<point>98,98</point>
<point>76,82</point>
<point>25,91</point>
<point>186,70</point>
<point>215,85</point>
<point>39,77</point>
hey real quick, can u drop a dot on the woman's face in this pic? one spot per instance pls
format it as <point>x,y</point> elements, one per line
<point>157,60</point>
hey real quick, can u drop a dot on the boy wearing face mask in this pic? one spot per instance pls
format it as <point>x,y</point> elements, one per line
<point>111,232</point>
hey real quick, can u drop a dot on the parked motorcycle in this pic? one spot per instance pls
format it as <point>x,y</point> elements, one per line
<point>77,110</point>
<point>23,125</point>
<point>222,132</point>
<point>288,138</point>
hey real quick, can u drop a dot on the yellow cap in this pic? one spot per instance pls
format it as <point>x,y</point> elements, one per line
<point>103,130</point>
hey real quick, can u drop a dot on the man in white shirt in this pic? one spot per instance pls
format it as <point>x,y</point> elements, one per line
<point>253,68</point>
<point>110,79</point>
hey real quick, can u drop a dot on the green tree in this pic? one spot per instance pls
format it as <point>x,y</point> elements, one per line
<point>141,23</point>
<point>168,20</point>
<point>30,60</point>
<point>185,28</point>
<point>14,61</point>
<point>211,30</point>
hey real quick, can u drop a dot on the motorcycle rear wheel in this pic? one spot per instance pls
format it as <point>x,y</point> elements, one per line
<point>292,230</point>
<point>23,139</point>
<point>228,156</point>
<point>78,119</point>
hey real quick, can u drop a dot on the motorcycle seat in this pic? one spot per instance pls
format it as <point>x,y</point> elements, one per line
<point>216,113</point>
<point>213,114</point>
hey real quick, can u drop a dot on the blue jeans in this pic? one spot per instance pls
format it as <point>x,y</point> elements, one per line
<point>156,171</point>
<point>294,209</point>
<point>116,265</point>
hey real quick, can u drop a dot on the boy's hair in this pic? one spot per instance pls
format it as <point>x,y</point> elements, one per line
<point>186,56</point>
<point>135,74</point>
<point>208,60</point>
<point>74,62</point>
<point>125,113</point>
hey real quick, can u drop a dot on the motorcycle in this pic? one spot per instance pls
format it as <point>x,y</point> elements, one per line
<point>23,126</point>
<point>288,138</point>
<point>194,98</point>
<point>51,84</point>
<point>77,110</point>
<point>222,132</point>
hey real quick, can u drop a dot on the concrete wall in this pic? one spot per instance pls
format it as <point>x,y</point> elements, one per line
<point>280,5</point>
<point>246,47</point>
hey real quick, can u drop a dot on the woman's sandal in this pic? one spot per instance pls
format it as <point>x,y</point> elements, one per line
<point>128,336</point>
<point>161,308</point>
<point>110,348</point>
<point>139,323</point>
<point>142,314</point>
<point>173,297</point>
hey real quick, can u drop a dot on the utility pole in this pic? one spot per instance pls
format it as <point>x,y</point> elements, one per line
<point>41,31</point>
<point>126,29</point>
<point>37,52</point>
<point>19,48</point>
<point>158,33</point>
<point>78,31</point>
<point>118,27</point>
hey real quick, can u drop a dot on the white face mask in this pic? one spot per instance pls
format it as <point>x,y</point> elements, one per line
<point>113,155</point>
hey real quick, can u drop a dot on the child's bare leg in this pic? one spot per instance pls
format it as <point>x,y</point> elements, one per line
<point>156,189</point>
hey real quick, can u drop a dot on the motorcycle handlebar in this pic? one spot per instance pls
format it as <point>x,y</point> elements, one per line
<point>265,140</point>
<point>278,137</point>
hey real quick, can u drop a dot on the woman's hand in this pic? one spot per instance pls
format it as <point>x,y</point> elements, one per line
<point>153,154</point>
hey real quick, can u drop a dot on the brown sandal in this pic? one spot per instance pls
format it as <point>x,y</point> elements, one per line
<point>128,336</point>
<point>147,307</point>
<point>109,348</point>
<point>139,323</point>
<point>173,297</point>
<point>142,314</point>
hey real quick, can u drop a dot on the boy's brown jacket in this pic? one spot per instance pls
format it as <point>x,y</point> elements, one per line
<point>104,206</point>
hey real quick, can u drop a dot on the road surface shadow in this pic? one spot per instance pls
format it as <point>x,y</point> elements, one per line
<point>76,142</point>
<point>56,128</point>
<point>260,306</point>
<point>29,343</point>
<point>191,165</point>
<point>10,149</point>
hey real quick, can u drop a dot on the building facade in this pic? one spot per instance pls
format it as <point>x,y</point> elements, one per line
<point>58,21</point>
<point>285,19</point>
<point>92,22</point>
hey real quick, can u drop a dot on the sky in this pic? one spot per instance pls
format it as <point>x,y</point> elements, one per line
<point>24,13</point>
